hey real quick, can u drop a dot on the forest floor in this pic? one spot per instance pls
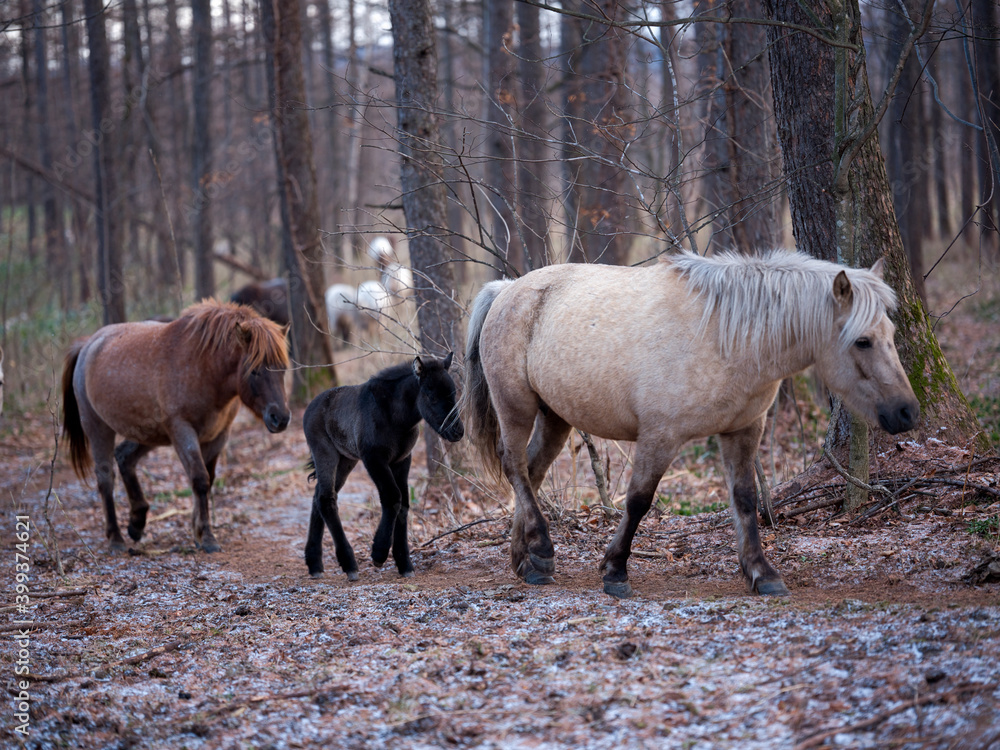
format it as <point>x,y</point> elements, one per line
<point>890,638</point>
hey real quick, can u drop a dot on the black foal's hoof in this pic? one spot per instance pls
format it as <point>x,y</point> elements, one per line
<point>117,546</point>
<point>135,533</point>
<point>773,587</point>
<point>406,573</point>
<point>352,575</point>
<point>618,589</point>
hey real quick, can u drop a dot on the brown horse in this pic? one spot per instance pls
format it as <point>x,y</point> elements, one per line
<point>661,355</point>
<point>179,384</point>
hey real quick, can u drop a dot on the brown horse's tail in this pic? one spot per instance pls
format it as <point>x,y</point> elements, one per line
<point>478,414</point>
<point>79,446</point>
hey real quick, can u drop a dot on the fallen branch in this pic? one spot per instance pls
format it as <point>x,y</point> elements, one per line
<point>306,693</point>
<point>53,594</point>
<point>972,687</point>
<point>147,655</point>
<point>811,507</point>
<point>463,527</point>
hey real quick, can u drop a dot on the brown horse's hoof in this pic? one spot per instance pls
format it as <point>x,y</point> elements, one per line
<point>538,579</point>
<point>618,589</point>
<point>773,587</point>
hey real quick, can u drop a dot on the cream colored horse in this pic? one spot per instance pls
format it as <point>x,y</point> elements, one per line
<point>660,355</point>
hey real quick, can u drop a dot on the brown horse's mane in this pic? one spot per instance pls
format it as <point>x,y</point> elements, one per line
<point>219,327</point>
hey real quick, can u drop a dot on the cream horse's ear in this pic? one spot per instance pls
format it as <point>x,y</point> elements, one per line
<point>843,292</point>
<point>879,269</point>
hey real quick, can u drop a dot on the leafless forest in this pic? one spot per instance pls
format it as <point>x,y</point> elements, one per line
<point>157,152</point>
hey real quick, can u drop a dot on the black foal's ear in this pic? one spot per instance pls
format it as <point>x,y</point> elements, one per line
<point>447,360</point>
<point>418,367</point>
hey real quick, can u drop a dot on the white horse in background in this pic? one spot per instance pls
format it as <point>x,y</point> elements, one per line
<point>352,309</point>
<point>660,355</point>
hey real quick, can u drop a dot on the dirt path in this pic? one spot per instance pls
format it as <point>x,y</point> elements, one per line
<point>881,644</point>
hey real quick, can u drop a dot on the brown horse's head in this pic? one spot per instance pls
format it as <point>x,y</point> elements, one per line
<point>862,365</point>
<point>262,372</point>
<point>262,351</point>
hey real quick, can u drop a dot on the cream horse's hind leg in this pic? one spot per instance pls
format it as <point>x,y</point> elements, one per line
<point>738,452</point>
<point>547,441</point>
<point>531,551</point>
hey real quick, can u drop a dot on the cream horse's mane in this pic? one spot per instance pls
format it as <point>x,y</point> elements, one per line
<point>770,300</point>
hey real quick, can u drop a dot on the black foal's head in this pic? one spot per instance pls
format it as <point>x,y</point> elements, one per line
<point>436,398</point>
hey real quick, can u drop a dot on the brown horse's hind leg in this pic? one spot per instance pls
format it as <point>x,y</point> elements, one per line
<point>102,448</point>
<point>128,454</point>
<point>738,452</point>
<point>547,441</point>
<point>651,461</point>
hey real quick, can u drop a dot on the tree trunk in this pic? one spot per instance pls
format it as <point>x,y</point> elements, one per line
<point>201,152</point>
<point>906,152</point>
<point>533,119</point>
<point>281,22</point>
<point>414,53</point>
<point>110,280</point>
<point>55,252</point>
<point>984,18</point>
<point>599,137</point>
<point>858,196</point>
<point>498,21</point>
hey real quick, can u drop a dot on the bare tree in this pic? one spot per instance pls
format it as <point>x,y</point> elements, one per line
<point>110,281</point>
<point>201,152</point>
<point>303,252</point>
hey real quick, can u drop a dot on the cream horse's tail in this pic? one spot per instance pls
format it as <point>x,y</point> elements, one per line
<point>478,414</point>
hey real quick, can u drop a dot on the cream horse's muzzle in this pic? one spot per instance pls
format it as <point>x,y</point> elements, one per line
<point>898,416</point>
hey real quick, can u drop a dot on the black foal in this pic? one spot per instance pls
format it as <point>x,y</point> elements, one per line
<point>375,423</point>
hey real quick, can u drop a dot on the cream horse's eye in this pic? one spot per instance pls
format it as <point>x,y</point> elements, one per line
<point>863,343</point>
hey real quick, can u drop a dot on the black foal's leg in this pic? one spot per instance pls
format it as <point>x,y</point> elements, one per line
<point>128,454</point>
<point>547,440</point>
<point>389,499</point>
<point>331,473</point>
<point>651,460</point>
<point>400,542</point>
<point>738,452</point>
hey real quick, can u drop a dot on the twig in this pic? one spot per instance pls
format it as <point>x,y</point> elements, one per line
<point>972,687</point>
<point>826,503</point>
<point>463,527</point>
<point>595,464</point>
<point>147,655</point>
<point>52,594</point>
<point>305,693</point>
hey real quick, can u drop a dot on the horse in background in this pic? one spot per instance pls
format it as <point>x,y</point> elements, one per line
<point>661,355</point>
<point>375,423</point>
<point>179,383</point>
<point>269,298</point>
<point>359,309</point>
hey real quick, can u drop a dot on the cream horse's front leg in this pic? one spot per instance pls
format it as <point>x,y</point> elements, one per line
<point>738,452</point>
<point>652,458</point>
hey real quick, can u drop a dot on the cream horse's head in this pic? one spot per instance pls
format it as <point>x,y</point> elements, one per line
<point>861,364</point>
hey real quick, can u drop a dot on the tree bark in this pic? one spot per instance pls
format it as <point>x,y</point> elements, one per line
<point>851,211</point>
<point>599,135</point>
<point>110,281</point>
<point>281,22</point>
<point>414,53</point>
<point>508,253</point>
<point>201,152</point>
<point>533,119</point>
<point>984,19</point>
